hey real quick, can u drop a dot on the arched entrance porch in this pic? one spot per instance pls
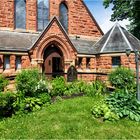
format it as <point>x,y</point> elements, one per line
<point>53,64</point>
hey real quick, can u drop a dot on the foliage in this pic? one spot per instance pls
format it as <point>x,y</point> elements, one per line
<point>75,87</point>
<point>122,78</point>
<point>124,104</point>
<point>28,104</point>
<point>27,81</point>
<point>69,119</point>
<point>44,98</point>
<point>58,86</point>
<point>95,88</point>
<point>89,89</point>
<point>101,110</point>
<point>3,83</point>
<point>58,99</point>
<point>6,104</point>
<point>126,9</point>
<point>42,86</point>
<point>31,104</point>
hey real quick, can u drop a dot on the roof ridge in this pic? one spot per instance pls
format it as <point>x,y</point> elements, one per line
<point>125,38</point>
<point>108,38</point>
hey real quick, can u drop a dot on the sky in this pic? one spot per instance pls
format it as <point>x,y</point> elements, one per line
<point>103,15</point>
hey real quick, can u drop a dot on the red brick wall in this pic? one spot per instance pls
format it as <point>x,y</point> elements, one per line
<point>79,20</point>
<point>25,62</point>
<point>128,62</point>
<point>103,64</point>
<point>7,13</point>
<point>31,15</point>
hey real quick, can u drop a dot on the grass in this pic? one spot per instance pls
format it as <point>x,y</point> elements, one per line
<point>68,119</point>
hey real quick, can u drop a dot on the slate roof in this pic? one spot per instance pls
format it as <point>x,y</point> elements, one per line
<point>117,39</point>
<point>84,46</point>
<point>15,41</point>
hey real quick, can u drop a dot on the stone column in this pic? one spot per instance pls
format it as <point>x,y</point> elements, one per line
<point>83,63</point>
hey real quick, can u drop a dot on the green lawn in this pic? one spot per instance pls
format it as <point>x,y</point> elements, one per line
<point>67,119</point>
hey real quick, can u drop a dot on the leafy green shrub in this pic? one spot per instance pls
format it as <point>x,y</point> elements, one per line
<point>31,104</point>
<point>3,83</point>
<point>90,89</point>
<point>44,97</point>
<point>42,86</point>
<point>27,81</point>
<point>58,86</point>
<point>75,87</point>
<point>124,104</point>
<point>101,110</point>
<point>97,88</point>
<point>122,78</point>
<point>6,104</point>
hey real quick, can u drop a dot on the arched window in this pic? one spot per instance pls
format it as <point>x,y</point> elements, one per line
<point>20,14</point>
<point>64,15</point>
<point>43,14</point>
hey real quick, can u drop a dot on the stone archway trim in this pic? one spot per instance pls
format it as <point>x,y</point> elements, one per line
<point>53,40</point>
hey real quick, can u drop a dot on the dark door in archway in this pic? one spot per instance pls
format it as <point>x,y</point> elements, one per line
<point>53,61</point>
<point>56,66</point>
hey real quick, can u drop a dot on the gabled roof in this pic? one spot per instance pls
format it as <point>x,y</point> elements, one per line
<point>117,39</point>
<point>54,19</point>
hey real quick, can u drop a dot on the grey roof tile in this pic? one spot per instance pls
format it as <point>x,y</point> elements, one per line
<point>15,41</point>
<point>84,46</point>
<point>117,39</point>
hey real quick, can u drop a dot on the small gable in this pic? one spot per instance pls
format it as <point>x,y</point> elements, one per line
<point>54,32</point>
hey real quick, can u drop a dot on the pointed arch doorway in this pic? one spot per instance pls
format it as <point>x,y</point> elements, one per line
<point>53,61</point>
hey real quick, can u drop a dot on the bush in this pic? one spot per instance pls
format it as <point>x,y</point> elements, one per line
<point>58,86</point>
<point>45,98</point>
<point>124,104</point>
<point>101,110</point>
<point>89,89</point>
<point>3,83</point>
<point>42,86</point>
<point>122,78</point>
<point>30,104</point>
<point>27,81</point>
<point>97,88</point>
<point>6,104</point>
<point>75,87</point>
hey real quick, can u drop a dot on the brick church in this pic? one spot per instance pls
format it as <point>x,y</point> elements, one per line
<point>56,34</point>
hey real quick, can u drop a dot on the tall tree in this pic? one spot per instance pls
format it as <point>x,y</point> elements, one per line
<point>126,9</point>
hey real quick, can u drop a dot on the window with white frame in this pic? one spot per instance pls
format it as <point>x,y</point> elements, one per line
<point>7,62</point>
<point>18,62</point>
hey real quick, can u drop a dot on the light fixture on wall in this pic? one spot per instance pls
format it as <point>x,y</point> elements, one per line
<point>136,52</point>
<point>128,52</point>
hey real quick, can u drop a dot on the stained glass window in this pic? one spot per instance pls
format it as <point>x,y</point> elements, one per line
<point>20,14</point>
<point>64,15</point>
<point>43,14</point>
